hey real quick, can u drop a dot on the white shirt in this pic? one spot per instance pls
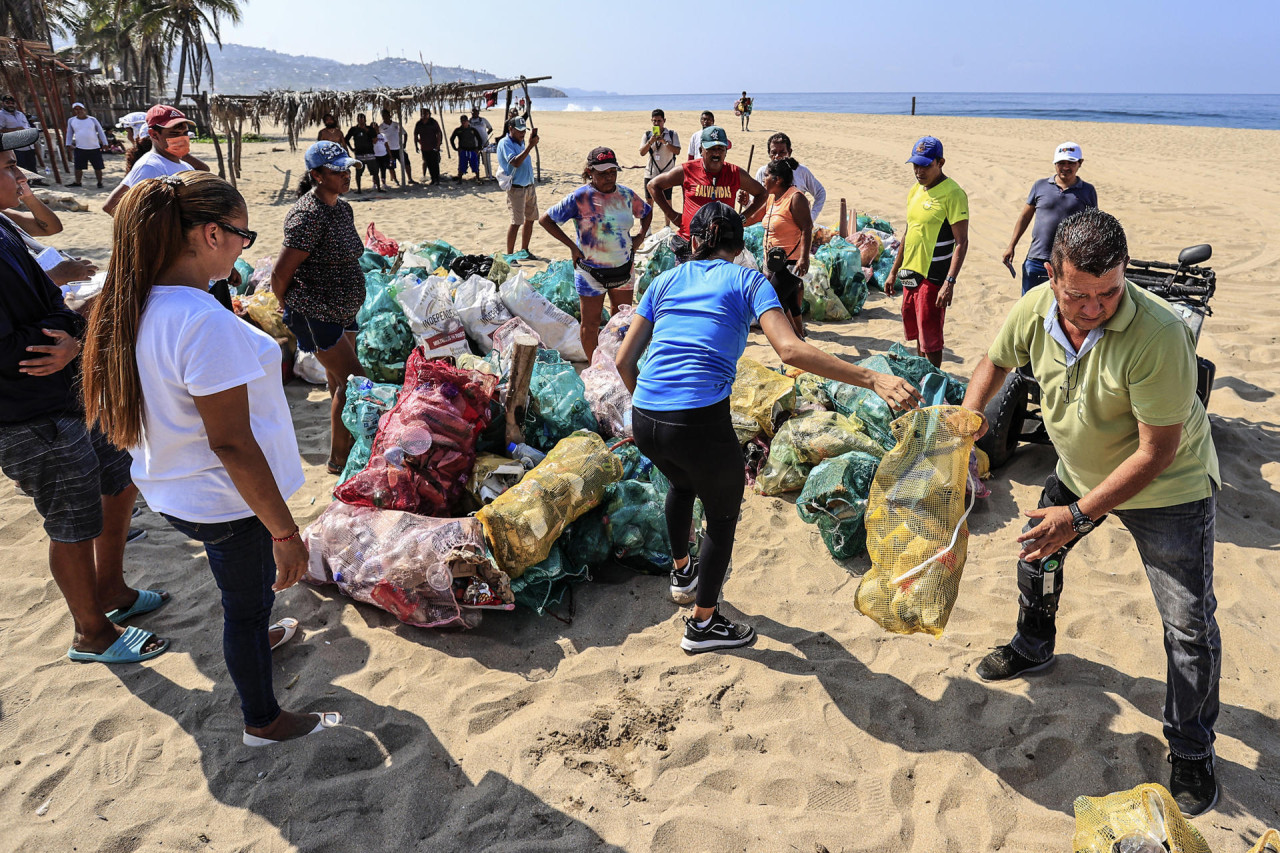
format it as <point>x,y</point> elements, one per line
<point>190,346</point>
<point>16,120</point>
<point>380,145</point>
<point>85,133</point>
<point>481,124</point>
<point>660,158</point>
<point>803,180</point>
<point>695,145</point>
<point>391,131</point>
<point>154,165</point>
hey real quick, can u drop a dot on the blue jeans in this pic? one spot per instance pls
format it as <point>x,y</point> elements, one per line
<point>1033,273</point>
<point>1176,546</point>
<point>244,567</point>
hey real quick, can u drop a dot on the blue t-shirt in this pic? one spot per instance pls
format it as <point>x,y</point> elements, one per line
<point>509,149</point>
<point>701,313</point>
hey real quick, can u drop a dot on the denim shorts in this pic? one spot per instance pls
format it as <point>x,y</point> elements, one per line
<point>316,335</point>
<point>66,468</point>
<point>588,285</point>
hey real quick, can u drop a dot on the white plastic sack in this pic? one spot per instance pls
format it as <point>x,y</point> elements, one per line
<point>481,309</point>
<point>431,315</point>
<point>746,259</point>
<point>309,369</point>
<point>558,330</point>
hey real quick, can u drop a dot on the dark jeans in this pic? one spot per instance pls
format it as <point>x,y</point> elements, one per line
<point>1033,273</point>
<point>1176,546</point>
<point>431,165</point>
<point>242,564</point>
<point>696,450</point>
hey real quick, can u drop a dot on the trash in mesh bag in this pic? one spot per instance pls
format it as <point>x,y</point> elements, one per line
<point>545,583</point>
<point>878,223</point>
<point>431,255</point>
<point>653,258</point>
<point>917,533</point>
<point>914,369</point>
<point>1268,843</point>
<point>558,402</point>
<point>635,518</point>
<point>500,271</point>
<point>821,301</point>
<point>608,397</point>
<point>429,572</point>
<point>806,440</point>
<point>753,238</point>
<point>835,498</point>
<point>635,465</point>
<point>367,402</point>
<point>556,284</point>
<point>471,361</point>
<point>848,282</point>
<point>426,445</point>
<point>481,309</point>
<point>759,395</point>
<point>493,475</point>
<point>865,404</point>
<point>385,340</point>
<point>812,388</point>
<point>428,306</point>
<point>524,522</point>
<point>1135,821</point>
<point>558,330</point>
<point>264,310</point>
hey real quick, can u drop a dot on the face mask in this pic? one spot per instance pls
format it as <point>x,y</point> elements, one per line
<point>179,146</point>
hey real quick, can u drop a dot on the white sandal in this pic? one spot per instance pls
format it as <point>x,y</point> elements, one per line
<point>325,720</point>
<point>290,626</point>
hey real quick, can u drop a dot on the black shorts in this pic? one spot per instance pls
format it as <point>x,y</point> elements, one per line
<point>316,335</point>
<point>649,196</point>
<point>88,157</point>
<point>66,468</point>
<point>790,290</point>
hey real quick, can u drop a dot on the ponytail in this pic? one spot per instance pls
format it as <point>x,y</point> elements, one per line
<point>149,236</point>
<point>306,184</point>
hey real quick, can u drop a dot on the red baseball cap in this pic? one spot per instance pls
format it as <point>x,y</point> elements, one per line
<point>163,115</point>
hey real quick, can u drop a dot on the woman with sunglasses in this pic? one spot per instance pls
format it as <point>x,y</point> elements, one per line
<point>196,393</point>
<point>318,280</point>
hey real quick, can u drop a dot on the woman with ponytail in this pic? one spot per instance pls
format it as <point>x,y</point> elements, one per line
<point>197,394</point>
<point>694,320</point>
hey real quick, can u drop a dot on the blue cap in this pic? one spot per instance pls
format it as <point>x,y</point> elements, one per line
<point>329,155</point>
<point>714,137</point>
<point>928,149</point>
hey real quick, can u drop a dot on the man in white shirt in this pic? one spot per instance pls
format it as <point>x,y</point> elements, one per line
<point>707,119</point>
<point>482,127</point>
<point>661,147</point>
<point>12,118</point>
<point>395,147</point>
<point>802,178</point>
<point>169,154</point>
<point>87,141</point>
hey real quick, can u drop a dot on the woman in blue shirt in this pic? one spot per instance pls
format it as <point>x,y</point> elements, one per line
<point>695,319</point>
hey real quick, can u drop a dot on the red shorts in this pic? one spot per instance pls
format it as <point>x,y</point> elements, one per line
<point>921,316</point>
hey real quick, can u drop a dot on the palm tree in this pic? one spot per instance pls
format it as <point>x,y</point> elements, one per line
<point>188,21</point>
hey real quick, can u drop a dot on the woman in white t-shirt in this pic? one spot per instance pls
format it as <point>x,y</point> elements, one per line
<point>196,393</point>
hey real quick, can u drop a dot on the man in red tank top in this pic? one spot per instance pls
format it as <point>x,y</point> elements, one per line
<point>705,180</point>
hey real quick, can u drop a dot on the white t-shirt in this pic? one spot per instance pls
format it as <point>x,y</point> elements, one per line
<point>391,131</point>
<point>660,158</point>
<point>153,165</point>
<point>86,133</point>
<point>380,145</point>
<point>190,346</point>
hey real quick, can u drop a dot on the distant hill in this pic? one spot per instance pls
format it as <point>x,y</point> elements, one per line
<point>241,70</point>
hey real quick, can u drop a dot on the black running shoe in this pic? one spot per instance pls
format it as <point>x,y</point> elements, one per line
<point>1005,663</point>
<point>720,633</point>
<point>684,582</point>
<point>135,534</point>
<point>1193,784</point>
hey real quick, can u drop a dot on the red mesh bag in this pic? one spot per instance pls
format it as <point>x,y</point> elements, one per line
<point>380,243</point>
<point>426,445</point>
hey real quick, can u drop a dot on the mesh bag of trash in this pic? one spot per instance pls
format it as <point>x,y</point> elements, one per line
<point>835,498</point>
<point>558,402</point>
<point>556,284</point>
<point>653,258</point>
<point>264,310</point>
<point>847,280</point>
<point>635,465</point>
<point>371,261</point>
<point>481,309</point>
<point>864,404</point>
<point>804,441</point>
<point>1139,820</point>
<point>914,369</point>
<point>637,526</point>
<point>821,301</point>
<point>812,388</point>
<point>759,395</point>
<point>428,306</point>
<point>385,339</point>
<point>917,530</point>
<point>424,571</point>
<point>753,238</point>
<point>1268,843</point>
<point>879,223</point>
<point>500,271</point>
<point>426,445</point>
<point>431,255</point>
<point>608,397</point>
<point>544,584</point>
<point>525,520</point>
<point>367,402</point>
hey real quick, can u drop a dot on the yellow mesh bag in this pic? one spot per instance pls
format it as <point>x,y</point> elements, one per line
<point>757,392</point>
<point>917,535</point>
<point>1121,822</point>
<point>1268,843</point>
<point>806,440</point>
<point>525,520</point>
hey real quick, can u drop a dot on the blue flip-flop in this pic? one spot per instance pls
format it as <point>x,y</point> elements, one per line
<point>126,649</point>
<point>148,600</point>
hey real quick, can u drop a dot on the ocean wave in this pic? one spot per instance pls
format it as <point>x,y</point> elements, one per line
<point>574,108</point>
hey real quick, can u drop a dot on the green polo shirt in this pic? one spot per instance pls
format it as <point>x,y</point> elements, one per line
<point>1142,369</point>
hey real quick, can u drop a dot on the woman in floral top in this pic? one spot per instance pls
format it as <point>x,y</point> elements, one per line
<point>318,279</point>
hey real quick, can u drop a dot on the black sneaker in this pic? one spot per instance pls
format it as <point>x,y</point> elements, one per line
<point>1005,663</point>
<point>684,582</point>
<point>1193,784</point>
<point>135,534</point>
<point>720,633</point>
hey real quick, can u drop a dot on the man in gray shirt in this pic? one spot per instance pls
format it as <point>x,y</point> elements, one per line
<point>1050,201</point>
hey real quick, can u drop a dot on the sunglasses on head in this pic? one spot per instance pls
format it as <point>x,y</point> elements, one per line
<point>249,236</point>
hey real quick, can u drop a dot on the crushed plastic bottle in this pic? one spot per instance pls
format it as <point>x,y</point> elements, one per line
<point>527,456</point>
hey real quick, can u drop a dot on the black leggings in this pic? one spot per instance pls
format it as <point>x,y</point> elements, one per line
<point>697,450</point>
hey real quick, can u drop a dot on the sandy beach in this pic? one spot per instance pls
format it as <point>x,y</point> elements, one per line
<point>533,734</point>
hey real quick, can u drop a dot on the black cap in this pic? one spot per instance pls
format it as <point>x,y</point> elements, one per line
<point>602,159</point>
<point>718,222</point>
<point>15,139</point>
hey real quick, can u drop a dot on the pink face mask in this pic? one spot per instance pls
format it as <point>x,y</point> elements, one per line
<point>178,146</point>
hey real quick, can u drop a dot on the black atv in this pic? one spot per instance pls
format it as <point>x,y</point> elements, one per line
<point>1013,415</point>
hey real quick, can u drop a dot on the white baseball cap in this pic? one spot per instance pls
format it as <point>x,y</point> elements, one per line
<point>1068,151</point>
<point>77,104</point>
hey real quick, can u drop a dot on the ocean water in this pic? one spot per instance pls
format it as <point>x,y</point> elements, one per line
<point>1251,111</point>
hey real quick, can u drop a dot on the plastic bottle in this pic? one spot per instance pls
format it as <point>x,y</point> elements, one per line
<point>526,455</point>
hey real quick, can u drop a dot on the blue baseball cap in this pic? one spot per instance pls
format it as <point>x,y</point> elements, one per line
<point>928,149</point>
<point>329,155</point>
<point>714,137</point>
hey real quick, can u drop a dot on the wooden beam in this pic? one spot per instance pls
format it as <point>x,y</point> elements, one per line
<point>35,97</point>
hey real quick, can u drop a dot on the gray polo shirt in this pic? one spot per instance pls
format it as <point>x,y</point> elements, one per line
<point>1054,204</point>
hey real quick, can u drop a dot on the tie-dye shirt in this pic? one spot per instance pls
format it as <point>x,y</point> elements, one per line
<point>604,222</point>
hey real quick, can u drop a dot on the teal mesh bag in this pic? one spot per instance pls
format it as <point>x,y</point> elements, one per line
<point>637,526</point>
<point>865,404</point>
<point>835,499</point>
<point>556,284</point>
<point>753,237</point>
<point>371,261</point>
<point>366,403</point>
<point>845,264</point>
<point>661,260</point>
<point>544,584</point>
<point>561,402</point>
<point>914,369</point>
<point>385,340</point>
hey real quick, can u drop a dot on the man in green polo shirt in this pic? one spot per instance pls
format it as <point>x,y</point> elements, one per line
<point>1117,373</point>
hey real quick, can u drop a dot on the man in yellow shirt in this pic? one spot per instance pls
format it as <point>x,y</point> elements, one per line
<point>1117,373</point>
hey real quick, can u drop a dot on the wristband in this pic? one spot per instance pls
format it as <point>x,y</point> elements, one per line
<point>295,532</point>
<point>950,279</point>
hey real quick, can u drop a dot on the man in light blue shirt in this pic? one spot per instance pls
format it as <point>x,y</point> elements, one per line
<point>522,195</point>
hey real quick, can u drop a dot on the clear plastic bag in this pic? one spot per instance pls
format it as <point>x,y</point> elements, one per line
<point>608,397</point>
<point>804,441</point>
<point>844,261</point>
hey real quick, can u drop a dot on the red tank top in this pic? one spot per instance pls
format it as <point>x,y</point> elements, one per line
<point>700,188</point>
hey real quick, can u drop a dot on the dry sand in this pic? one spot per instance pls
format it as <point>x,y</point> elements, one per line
<point>533,734</point>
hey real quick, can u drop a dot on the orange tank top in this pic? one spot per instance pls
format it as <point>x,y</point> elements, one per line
<point>780,227</point>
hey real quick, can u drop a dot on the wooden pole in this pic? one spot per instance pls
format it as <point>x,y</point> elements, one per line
<point>750,156</point>
<point>58,107</point>
<point>202,98</point>
<point>35,97</point>
<point>524,351</point>
<point>528,106</point>
<point>844,220</point>
<point>913,104</point>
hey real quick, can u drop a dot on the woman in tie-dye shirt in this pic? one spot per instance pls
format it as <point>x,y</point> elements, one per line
<point>603,214</point>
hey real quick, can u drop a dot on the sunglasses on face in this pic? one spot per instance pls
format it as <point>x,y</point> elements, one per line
<point>249,236</point>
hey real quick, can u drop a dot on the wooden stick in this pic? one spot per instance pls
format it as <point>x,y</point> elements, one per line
<point>844,220</point>
<point>750,156</point>
<point>524,352</point>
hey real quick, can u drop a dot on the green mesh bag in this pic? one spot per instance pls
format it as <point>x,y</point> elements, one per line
<point>821,302</point>
<point>385,340</point>
<point>561,402</point>
<point>879,223</point>
<point>437,252</point>
<point>635,465</point>
<point>753,237</point>
<point>544,584</point>
<point>637,526</point>
<point>556,284</point>
<point>812,388</point>
<point>914,369</point>
<point>806,440</point>
<point>835,498</point>
<point>366,403</point>
<point>864,404</point>
<point>661,260</point>
<point>371,261</point>
<point>847,281</point>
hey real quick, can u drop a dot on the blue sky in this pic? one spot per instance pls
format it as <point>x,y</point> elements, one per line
<point>826,45</point>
